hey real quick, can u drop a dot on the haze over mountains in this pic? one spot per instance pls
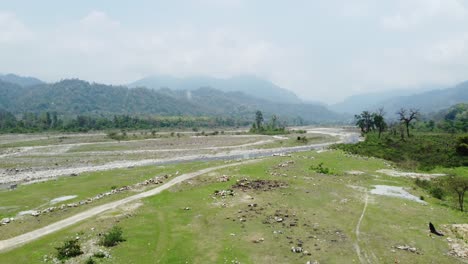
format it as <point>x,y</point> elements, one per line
<point>429,99</point>
<point>237,97</point>
<point>73,97</point>
<point>247,84</point>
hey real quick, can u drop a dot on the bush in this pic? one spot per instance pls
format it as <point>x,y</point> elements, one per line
<point>437,192</point>
<point>320,169</point>
<point>70,249</point>
<point>462,146</point>
<point>113,237</point>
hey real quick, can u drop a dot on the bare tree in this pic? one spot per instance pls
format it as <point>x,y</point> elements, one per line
<point>407,116</point>
<point>459,185</point>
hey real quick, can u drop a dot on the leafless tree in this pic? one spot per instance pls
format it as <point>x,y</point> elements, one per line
<point>407,116</point>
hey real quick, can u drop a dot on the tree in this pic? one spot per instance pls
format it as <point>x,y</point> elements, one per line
<point>459,185</point>
<point>364,121</point>
<point>274,120</point>
<point>407,116</point>
<point>379,120</point>
<point>259,119</point>
<point>462,146</point>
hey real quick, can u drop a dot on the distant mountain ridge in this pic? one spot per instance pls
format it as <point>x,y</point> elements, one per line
<point>428,100</point>
<point>247,84</point>
<point>20,80</point>
<point>73,97</point>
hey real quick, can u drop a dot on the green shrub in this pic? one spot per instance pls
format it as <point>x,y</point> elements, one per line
<point>320,169</point>
<point>69,249</point>
<point>113,237</point>
<point>99,254</point>
<point>437,192</point>
<point>462,146</point>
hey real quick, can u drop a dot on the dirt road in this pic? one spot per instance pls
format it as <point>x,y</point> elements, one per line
<point>11,243</point>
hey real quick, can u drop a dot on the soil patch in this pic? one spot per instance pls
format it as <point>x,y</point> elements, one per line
<point>260,185</point>
<point>395,191</point>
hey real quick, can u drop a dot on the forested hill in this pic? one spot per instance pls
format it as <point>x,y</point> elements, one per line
<point>20,80</point>
<point>426,101</point>
<point>250,85</point>
<point>73,97</point>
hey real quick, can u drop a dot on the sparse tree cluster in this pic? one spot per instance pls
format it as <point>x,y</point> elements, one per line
<point>274,126</point>
<point>368,121</point>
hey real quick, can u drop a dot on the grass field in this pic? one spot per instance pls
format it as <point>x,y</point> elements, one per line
<point>319,212</point>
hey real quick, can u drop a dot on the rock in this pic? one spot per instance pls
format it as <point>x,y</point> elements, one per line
<point>35,213</point>
<point>296,249</point>
<point>408,248</point>
<point>223,178</point>
<point>6,221</point>
<point>12,186</point>
<point>278,219</point>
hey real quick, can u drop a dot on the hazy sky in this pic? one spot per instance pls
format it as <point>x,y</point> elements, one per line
<point>322,50</point>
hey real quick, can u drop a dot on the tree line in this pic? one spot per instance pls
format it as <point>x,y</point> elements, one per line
<point>52,121</point>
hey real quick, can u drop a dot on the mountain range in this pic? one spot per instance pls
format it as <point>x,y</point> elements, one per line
<point>74,97</point>
<point>236,97</point>
<point>428,99</point>
<point>250,85</point>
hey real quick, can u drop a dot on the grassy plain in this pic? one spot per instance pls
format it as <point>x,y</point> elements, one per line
<point>320,212</point>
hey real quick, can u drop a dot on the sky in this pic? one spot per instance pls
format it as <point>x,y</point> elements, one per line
<point>321,50</point>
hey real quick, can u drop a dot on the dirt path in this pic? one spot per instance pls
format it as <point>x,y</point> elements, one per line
<point>11,243</point>
<point>362,259</point>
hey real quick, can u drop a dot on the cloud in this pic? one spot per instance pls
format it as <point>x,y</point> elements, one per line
<point>412,14</point>
<point>12,30</point>
<point>98,47</point>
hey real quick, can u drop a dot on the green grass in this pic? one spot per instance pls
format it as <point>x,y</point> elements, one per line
<point>160,231</point>
<point>423,151</point>
<point>38,195</point>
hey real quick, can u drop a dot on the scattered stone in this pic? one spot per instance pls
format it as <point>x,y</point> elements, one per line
<point>223,178</point>
<point>296,249</point>
<point>262,185</point>
<point>35,213</point>
<point>458,241</point>
<point>6,221</point>
<point>187,208</point>
<point>285,164</point>
<point>258,240</point>
<point>408,248</point>
<point>224,193</point>
<point>354,172</point>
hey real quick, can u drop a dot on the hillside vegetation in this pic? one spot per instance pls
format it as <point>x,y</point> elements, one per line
<point>76,97</point>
